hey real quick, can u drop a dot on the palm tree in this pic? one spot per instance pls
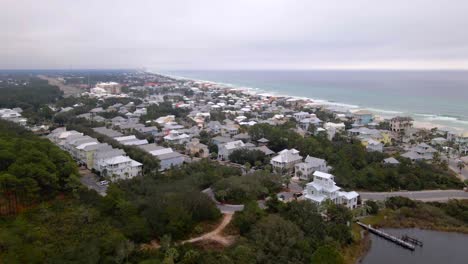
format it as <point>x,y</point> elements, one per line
<point>287,180</point>
<point>460,166</point>
<point>299,174</point>
<point>436,158</point>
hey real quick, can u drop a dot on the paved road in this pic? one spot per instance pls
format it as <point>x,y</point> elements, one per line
<point>224,208</point>
<point>90,180</point>
<point>453,166</point>
<point>426,196</point>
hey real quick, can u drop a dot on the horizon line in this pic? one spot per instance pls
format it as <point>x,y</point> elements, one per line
<point>234,69</point>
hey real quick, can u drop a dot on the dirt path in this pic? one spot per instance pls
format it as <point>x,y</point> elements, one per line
<point>68,90</point>
<point>215,235</point>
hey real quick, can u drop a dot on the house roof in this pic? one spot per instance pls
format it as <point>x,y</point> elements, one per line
<point>391,160</point>
<point>323,175</point>
<point>412,155</point>
<point>117,160</point>
<point>242,136</point>
<point>107,132</point>
<point>319,187</point>
<point>349,195</point>
<point>263,140</point>
<point>315,162</point>
<point>221,139</point>
<point>287,155</point>
<point>125,138</point>
<point>265,150</point>
<point>169,155</point>
<point>234,144</point>
<point>315,198</point>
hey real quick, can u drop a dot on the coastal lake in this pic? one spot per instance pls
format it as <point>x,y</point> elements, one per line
<point>439,247</point>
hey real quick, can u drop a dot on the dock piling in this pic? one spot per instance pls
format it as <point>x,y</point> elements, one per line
<point>389,237</point>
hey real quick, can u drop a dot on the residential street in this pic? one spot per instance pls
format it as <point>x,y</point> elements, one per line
<point>224,208</point>
<point>426,196</point>
<point>453,166</point>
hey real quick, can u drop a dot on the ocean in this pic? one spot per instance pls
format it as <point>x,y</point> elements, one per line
<point>432,98</point>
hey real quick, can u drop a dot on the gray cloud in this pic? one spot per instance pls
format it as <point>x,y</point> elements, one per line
<point>241,34</point>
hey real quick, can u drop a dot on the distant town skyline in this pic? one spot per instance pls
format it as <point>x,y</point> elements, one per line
<point>244,34</point>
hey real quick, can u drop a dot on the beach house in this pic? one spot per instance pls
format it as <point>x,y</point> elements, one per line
<point>324,188</point>
<point>304,170</point>
<point>363,117</point>
<point>285,161</point>
<point>224,150</point>
<point>194,147</point>
<point>401,124</point>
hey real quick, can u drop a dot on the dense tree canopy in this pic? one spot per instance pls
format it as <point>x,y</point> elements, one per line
<point>31,168</point>
<point>243,156</point>
<point>29,97</point>
<point>253,186</point>
<point>62,232</point>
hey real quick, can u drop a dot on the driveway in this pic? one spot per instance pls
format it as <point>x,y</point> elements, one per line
<point>90,180</point>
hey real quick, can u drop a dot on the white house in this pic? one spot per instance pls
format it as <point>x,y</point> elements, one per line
<point>13,115</point>
<point>306,122</point>
<point>214,127</point>
<point>285,160</point>
<point>301,115</point>
<point>176,137</point>
<point>119,167</point>
<point>224,150</point>
<point>323,188</point>
<point>333,128</point>
<point>304,170</point>
<point>168,158</point>
<point>373,145</point>
<point>229,130</point>
<point>165,119</point>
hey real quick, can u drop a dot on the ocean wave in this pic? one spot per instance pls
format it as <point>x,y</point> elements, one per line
<point>446,118</point>
<point>390,112</point>
<point>423,118</point>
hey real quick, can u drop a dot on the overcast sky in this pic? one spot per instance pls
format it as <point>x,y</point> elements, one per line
<point>234,34</point>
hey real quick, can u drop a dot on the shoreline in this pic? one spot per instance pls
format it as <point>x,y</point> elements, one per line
<point>365,243</point>
<point>421,120</point>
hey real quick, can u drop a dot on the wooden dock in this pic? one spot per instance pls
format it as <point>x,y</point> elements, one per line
<point>411,240</point>
<point>388,237</point>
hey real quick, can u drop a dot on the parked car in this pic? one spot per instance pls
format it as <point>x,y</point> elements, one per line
<point>103,183</point>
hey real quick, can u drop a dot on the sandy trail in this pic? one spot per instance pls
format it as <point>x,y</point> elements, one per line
<point>214,235</point>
